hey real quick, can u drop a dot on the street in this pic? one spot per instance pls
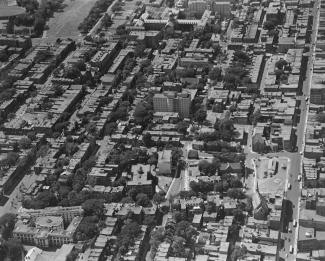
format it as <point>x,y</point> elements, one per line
<point>293,194</point>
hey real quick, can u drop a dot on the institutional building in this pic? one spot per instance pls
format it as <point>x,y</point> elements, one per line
<point>173,102</point>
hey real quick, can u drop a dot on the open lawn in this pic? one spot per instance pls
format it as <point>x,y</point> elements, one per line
<point>65,24</point>
<point>7,11</point>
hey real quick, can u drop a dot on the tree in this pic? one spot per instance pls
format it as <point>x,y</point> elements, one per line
<point>139,49</point>
<point>239,216</point>
<point>256,116</point>
<point>39,25</point>
<point>176,155</point>
<point>127,200</point>
<point>87,228</point>
<point>11,250</point>
<point>150,221</point>
<point>153,160</point>
<point>238,252</point>
<point>156,237</point>
<point>106,20</point>
<point>201,186</point>
<point>178,216</point>
<point>4,57</point>
<point>241,57</point>
<point>321,117</point>
<point>281,64</point>
<point>43,200</point>
<point>203,165</point>
<point>215,74</point>
<point>209,168</point>
<point>72,256</point>
<point>25,143</point>
<point>158,198</point>
<point>12,158</point>
<point>236,193</point>
<point>93,207</point>
<point>211,207</point>
<point>147,139</point>
<point>269,25</point>
<point>89,163</point>
<point>142,112</point>
<point>120,30</point>
<point>7,224</point>
<point>187,194</point>
<point>58,90</point>
<point>200,115</point>
<point>72,72</point>
<point>185,230</point>
<point>126,238</point>
<point>182,127</point>
<point>143,200</point>
<point>110,128</point>
<point>178,246</point>
<point>15,147</point>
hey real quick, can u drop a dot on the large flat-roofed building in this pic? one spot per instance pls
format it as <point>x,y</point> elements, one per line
<point>317,90</point>
<point>197,6</point>
<point>173,102</point>
<point>141,179</point>
<point>45,231</point>
<point>221,8</point>
<point>67,213</point>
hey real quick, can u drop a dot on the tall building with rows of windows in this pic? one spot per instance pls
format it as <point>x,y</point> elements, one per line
<point>173,102</point>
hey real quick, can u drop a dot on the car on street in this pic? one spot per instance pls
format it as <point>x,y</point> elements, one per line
<point>291,249</point>
<point>299,177</point>
<point>289,186</point>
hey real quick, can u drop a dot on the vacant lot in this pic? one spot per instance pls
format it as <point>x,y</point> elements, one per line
<point>272,180</point>
<point>65,24</point>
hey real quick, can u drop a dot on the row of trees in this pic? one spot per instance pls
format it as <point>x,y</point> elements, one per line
<point>236,74</point>
<point>229,185</point>
<point>10,249</point>
<point>180,234</point>
<point>37,14</point>
<point>224,130</point>
<point>94,15</point>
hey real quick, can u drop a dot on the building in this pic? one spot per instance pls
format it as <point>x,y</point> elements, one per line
<point>197,7</point>
<point>173,102</point>
<point>45,231</point>
<point>67,213</point>
<point>317,93</point>
<point>222,8</point>
<point>141,179</point>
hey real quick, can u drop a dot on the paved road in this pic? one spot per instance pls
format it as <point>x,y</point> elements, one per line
<point>293,194</point>
<point>182,183</point>
<point>15,198</point>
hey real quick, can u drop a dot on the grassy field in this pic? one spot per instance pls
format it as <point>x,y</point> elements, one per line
<point>65,24</point>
